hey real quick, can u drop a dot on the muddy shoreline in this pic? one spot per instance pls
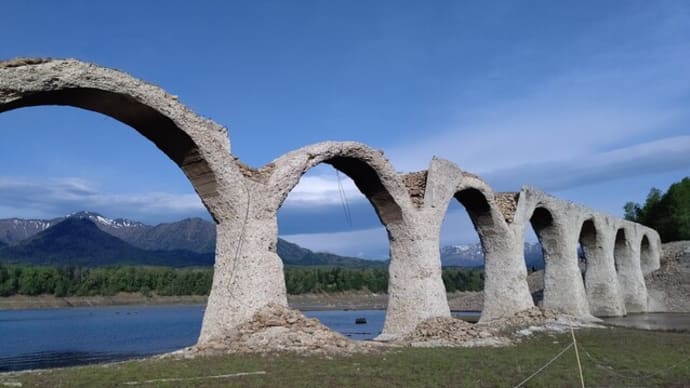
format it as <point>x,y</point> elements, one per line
<point>333,301</point>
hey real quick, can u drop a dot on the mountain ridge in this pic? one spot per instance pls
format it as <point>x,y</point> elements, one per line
<point>188,242</point>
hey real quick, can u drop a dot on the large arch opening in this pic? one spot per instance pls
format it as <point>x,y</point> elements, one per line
<point>587,247</point>
<point>332,223</point>
<point>646,254</point>
<point>621,251</point>
<point>467,224</point>
<point>543,229</point>
<point>85,248</point>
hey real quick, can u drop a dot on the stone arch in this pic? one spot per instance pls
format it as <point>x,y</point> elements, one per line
<point>563,284</point>
<point>198,146</point>
<point>188,140</point>
<point>505,274</point>
<point>371,172</point>
<point>413,277</point>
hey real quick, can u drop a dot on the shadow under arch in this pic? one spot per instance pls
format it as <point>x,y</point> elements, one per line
<point>543,223</point>
<point>620,249</point>
<point>477,207</point>
<point>646,254</point>
<point>588,242</point>
<point>368,181</point>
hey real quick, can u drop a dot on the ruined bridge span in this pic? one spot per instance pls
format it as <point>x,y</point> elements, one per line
<point>244,203</point>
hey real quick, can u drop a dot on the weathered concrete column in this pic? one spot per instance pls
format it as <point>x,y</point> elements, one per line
<point>601,282</point>
<point>415,287</point>
<point>630,278</point>
<point>557,228</point>
<point>248,274</point>
<point>506,291</point>
<point>563,287</point>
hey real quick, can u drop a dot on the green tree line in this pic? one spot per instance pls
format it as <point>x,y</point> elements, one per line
<point>668,213</point>
<point>80,281</point>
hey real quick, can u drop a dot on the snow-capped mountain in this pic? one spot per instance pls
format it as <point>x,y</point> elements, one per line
<point>472,255</point>
<point>90,239</point>
<point>14,230</point>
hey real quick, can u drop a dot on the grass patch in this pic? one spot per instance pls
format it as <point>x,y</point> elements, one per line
<point>610,357</point>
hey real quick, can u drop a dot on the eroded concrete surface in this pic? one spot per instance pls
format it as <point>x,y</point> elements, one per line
<point>244,203</point>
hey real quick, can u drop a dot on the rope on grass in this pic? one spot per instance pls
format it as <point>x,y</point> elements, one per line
<point>577,356</point>
<point>523,382</point>
<point>175,379</point>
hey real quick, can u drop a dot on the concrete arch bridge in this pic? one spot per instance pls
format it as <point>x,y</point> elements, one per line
<point>244,203</point>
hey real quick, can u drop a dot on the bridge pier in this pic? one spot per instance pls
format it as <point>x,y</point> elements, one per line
<point>564,290</point>
<point>248,273</point>
<point>601,283</point>
<point>630,277</point>
<point>415,286</point>
<point>505,284</point>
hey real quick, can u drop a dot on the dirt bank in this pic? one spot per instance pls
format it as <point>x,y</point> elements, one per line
<point>669,287</point>
<point>334,301</point>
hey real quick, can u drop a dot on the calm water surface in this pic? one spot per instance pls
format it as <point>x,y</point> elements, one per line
<point>31,339</point>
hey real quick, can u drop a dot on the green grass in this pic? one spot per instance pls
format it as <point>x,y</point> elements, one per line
<point>610,357</point>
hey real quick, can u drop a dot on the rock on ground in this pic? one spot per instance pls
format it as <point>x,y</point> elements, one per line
<point>278,329</point>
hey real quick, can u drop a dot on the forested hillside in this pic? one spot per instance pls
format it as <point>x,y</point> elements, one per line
<point>85,281</point>
<point>668,213</point>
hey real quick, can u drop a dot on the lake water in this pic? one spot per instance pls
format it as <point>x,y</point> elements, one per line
<point>32,339</point>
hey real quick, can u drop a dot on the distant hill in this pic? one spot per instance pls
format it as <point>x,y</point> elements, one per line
<point>88,238</point>
<point>295,255</point>
<point>78,241</point>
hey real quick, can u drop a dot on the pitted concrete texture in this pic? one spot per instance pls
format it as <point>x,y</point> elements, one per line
<point>244,203</point>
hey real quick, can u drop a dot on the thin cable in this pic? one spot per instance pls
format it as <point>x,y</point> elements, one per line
<point>343,200</point>
<point>544,367</point>
<point>240,240</point>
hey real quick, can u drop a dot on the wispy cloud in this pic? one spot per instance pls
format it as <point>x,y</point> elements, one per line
<point>366,243</point>
<point>658,156</point>
<point>617,104</point>
<point>59,196</point>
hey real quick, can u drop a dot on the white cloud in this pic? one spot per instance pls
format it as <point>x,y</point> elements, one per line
<point>654,157</point>
<point>322,190</point>
<point>41,198</point>
<point>611,103</point>
<point>367,243</point>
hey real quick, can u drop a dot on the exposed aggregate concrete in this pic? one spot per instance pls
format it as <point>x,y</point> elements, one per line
<point>244,202</point>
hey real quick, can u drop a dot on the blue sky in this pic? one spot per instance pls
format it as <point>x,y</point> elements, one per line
<point>588,100</point>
